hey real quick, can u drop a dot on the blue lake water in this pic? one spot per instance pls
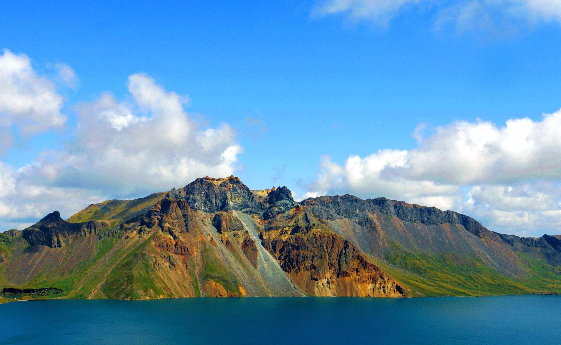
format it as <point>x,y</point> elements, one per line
<point>453,320</point>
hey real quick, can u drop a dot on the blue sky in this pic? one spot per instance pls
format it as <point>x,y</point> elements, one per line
<point>367,97</point>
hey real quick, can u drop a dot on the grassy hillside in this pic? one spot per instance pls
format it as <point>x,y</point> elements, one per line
<point>116,209</point>
<point>454,275</point>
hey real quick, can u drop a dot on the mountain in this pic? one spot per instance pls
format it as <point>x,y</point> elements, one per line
<point>216,237</point>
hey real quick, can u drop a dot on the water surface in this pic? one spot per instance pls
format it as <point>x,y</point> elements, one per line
<point>486,320</point>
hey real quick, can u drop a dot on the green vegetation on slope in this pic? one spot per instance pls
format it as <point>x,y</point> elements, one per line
<point>454,275</point>
<point>116,209</point>
<point>214,269</point>
<point>133,278</point>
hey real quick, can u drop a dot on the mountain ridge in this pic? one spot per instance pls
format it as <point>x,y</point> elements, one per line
<point>216,237</point>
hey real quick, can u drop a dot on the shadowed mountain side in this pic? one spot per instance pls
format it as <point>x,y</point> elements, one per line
<point>216,237</point>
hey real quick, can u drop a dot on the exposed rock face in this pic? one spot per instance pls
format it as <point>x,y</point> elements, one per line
<point>250,250</point>
<point>553,241</point>
<point>279,194</point>
<point>327,265</point>
<point>213,195</point>
<point>170,215</point>
<point>279,200</point>
<point>225,222</point>
<point>214,289</point>
<point>52,231</point>
<point>323,263</point>
<point>546,246</point>
<point>348,206</point>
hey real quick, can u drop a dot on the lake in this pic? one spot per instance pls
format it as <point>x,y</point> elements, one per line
<point>447,320</point>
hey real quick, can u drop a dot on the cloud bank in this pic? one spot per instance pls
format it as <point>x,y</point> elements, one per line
<point>29,103</point>
<point>506,176</point>
<point>499,16</point>
<point>143,144</point>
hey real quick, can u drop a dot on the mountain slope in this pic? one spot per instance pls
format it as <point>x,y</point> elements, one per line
<point>216,237</point>
<point>438,252</point>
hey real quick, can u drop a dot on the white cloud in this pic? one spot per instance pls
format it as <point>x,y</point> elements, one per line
<point>546,9</point>
<point>23,198</point>
<point>542,196</point>
<point>27,100</point>
<point>373,176</point>
<point>67,75</point>
<point>146,144</point>
<point>510,171</point>
<point>470,153</point>
<point>7,180</point>
<point>378,11</point>
<point>530,208</point>
<point>467,15</point>
<point>419,132</point>
<point>143,144</point>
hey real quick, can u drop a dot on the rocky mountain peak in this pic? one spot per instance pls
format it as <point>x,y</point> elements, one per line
<point>53,217</point>
<point>220,180</point>
<point>279,194</point>
<point>218,194</point>
<point>278,200</point>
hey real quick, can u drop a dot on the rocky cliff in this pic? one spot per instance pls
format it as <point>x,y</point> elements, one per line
<point>216,237</point>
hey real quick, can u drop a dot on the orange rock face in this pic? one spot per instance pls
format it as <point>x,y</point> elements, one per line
<point>321,262</point>
<point>250,250</point>
<point>213,289</point>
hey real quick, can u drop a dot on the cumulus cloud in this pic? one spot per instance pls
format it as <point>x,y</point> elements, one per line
<point>467,15</point>
<point>528,208</point>
<point>374,176</point>
<point>144,144</point>
<point>121,148</point>
<point>507,175</point>
<point>23,199</point>
<point>471,153</point>
<point>27,100</point>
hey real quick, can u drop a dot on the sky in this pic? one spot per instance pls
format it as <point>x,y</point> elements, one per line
<point>452,104</point>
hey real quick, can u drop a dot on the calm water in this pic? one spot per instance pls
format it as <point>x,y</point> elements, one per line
<point>488,320</point>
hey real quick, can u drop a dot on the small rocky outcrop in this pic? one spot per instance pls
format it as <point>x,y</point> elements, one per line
<point>249,248</point>
<point>52,231</point>
<point>226,222</point>
<point>279,194</point>
<point>13,233</point>
<point>279,200</point>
